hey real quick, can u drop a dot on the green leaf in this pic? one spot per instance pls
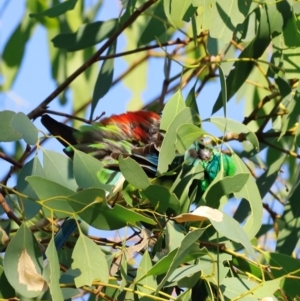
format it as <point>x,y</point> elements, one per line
<point>90,260</point>
<point>86,36</point>
<point>233,288</point>
<point>188,176</point>
<point>250,192</point>
<point>268,178</point>
<point>191,101</point>
<point>104,80</point>
<point>86,171</point>
<point>69,277</point>
<point>289,235</point>
<point>52,257</point>
<point>56,10</point>
<point>52,195</point>
<point>6,290</point>
<point>286,265</point>
<point>13,52</point>
<point>225,17</point>
<point>59,168</point>
<point>227,124</point>
<point>133,173</point>
<point>136,79</point>
<point>172,108</point>
<point>22,124</point>
<point>175,233</point>
<point>231,229</point>
<point>167,151</point>
<point>204,13</point>
<point>267,287</point>
<point>223,87</point>
<point>186,276</point>
<point>292,106</point>
<point>183,250</point>
<point>225,186</point>
<point>154,25</point>
<point>291,33</point>
<point>144,266</point>
<point>187,134</point>
<point>242,69</point>
<point>23,264</point>
<point>161,199</point>
<point>7,132</point>
<point>246,31</point>
<point>176,10</point>
<point>92,208</point>
<point>215,273</point>
<point>287,58</point>
<point>31,168</point>
<point>163,265</point>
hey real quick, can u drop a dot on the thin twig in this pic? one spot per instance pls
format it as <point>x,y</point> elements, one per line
<point>266,120</point>
<point>8,211</point>
<point>25,154</point>
<point>283,150</point>
<point>69,116</point>
<point>10,160</point>
<point>265,100</point>
<point>145,48</point>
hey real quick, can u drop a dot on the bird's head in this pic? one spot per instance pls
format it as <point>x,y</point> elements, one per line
<point>204,154</point>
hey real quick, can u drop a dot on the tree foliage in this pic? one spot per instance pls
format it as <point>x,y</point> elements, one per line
<point>170,242</point>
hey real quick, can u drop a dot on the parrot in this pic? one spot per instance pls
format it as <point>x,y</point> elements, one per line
<point>135,134</point>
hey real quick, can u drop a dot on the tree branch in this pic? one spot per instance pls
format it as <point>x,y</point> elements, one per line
<point>283,150</point>
<point>10,160</point>
<point>259,106</point>
<point>8,211</point>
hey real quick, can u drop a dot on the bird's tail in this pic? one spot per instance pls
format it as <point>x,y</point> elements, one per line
<point>59,129</point>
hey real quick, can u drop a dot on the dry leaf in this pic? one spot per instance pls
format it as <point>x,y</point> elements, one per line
<point>136,248</point>
<point>28,274</point>
<point>202,213</point>
<point>129,252</point>
<point>3,237</point>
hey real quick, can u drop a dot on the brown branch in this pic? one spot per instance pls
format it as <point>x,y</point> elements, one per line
<point>275,114</point>
<point>68,116</point>
<point>270,191</point>
<point>219,246</point>
<point>11,160</point>
<point>236,45</point>
<point>283,150</point>
<point>14,168</point>
<point>260,136</point>
<point>265,100</point>
<point>145,48</point>
<point>204,81</point>
<point>266,120</point>
<point>8,211</point>
<point>39,109</point>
